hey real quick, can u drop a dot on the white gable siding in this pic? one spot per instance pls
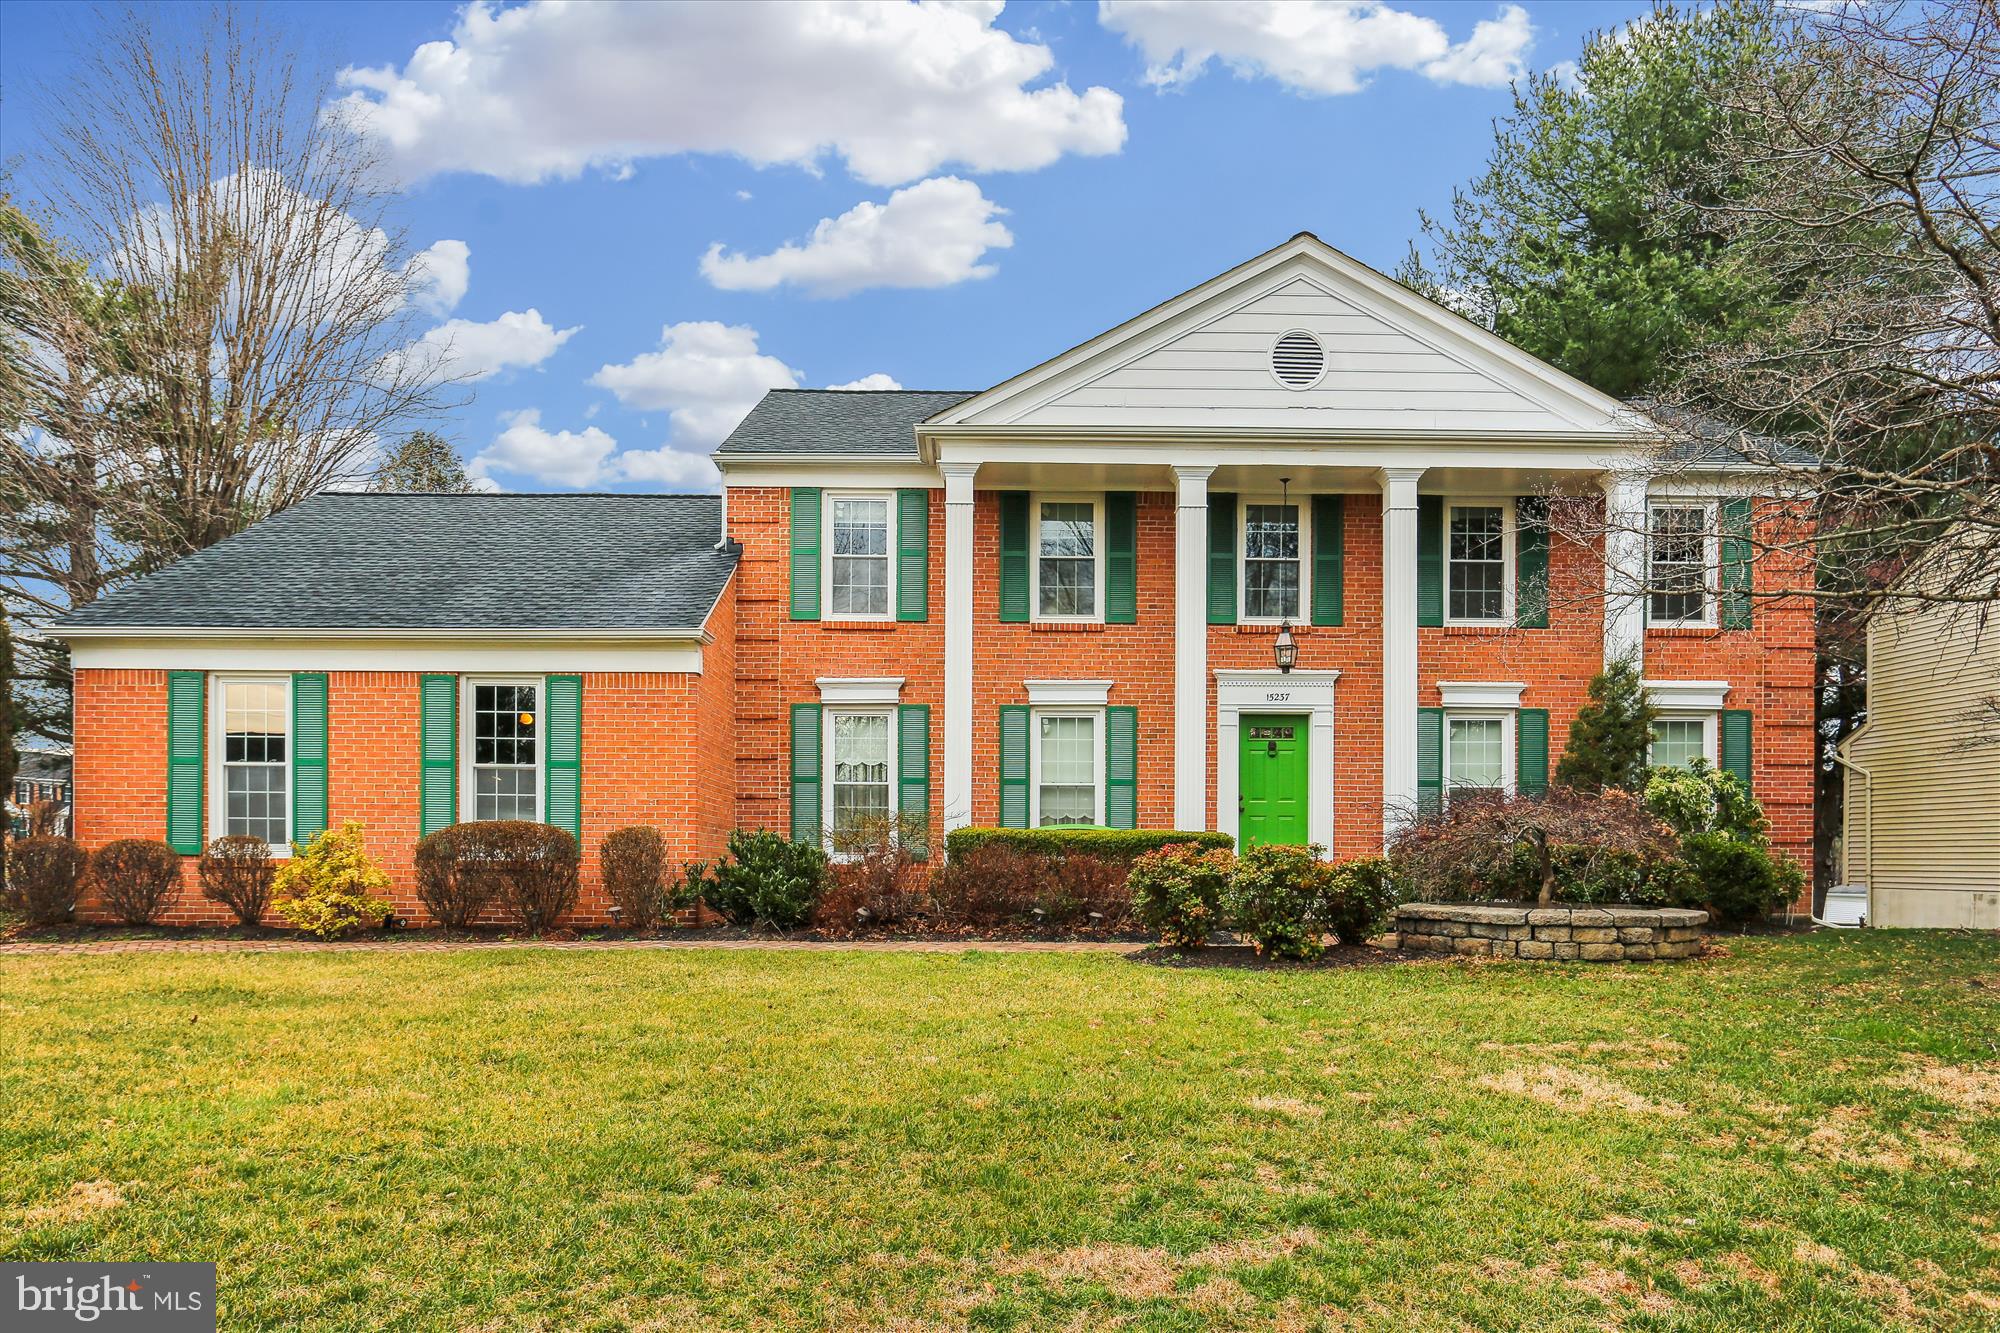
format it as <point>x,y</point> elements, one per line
<point>1218,372</point>
<point>1935,817</point>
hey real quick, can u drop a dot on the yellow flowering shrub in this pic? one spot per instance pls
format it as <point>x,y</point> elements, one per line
<point>330,888</point>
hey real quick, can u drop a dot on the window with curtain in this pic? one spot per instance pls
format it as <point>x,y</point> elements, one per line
<point>1476,753</point>
<point>256,759</point>
<point>860,771</point>
<point>1678,742</point>
<point>1066,769</point>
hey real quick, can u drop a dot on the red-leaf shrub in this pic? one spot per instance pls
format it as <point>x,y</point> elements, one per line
<point>45,874</point>
<point>236,871</point>
<point>1559,846</point>
<point>1178,892</point>
<point>137,878</point>
<point>1277,896</point>
<point>876,879</point>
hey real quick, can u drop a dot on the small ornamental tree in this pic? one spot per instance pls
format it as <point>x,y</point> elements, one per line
<point>1610,738</point>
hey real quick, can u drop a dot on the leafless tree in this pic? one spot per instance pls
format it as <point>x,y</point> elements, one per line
<point>202,314</point>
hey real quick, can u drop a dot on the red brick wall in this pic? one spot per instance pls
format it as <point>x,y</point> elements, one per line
<point>655,752</point>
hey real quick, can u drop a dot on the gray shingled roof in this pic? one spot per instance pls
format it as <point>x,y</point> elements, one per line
<point>435,562</point>
<point>838,421</point>
<point>1699,438</point>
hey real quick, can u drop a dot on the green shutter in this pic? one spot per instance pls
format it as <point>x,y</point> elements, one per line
<point>1531,751</point>
<point>1121,768</point>
<point>1329,576</point>
<point>1014,766</point>
<point>1013,557</point>
<point>913,769</point>
<point>187,699</point>
<point>562,750</point>
<point>805,552</point>
<point>438,744</point>
<point>913,555</point>
<point>1736,743</point>
<point>1121,558</point>
<point>1430,560</point>
<point>807,822</point>
<point>1430,761</point>
<point>1531,562</point>
<point>1736,564</point>
<point>1221,559</point>
<point>308,756</point>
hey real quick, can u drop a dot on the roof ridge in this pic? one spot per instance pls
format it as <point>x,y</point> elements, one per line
<point>804,389</point>
<point>510,495</point>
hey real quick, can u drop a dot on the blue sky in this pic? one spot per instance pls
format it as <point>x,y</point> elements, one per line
<point>587,160</point>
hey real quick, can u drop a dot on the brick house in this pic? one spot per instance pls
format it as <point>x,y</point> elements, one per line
<point>1055,601</point>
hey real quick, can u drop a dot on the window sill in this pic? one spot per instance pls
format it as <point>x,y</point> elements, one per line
<point>1687,631</point>
<point>863,626</point>
<point>1479,631</point>
<point>1268,629</point>
<point>1066,627</point>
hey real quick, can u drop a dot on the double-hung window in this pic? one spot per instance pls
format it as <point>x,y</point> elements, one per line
<point>1679,741</point>
<point>503,723</point>
<point>861,769</point>
<point>1274,575</point>
<point>859,571</point>
<point>1478,756</point>
<point>1069,567</point>
<point>1478,557</point>
<point>1068,768</point>
<point>1681,557</point>
<point>253,719</point>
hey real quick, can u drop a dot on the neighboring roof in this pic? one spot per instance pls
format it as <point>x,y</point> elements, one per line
<point>42,766</point>
<point>840,422</point>
<point>479,562</point>
<point>1699,438</point>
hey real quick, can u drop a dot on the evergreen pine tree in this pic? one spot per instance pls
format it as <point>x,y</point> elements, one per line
<point>1610,738</point>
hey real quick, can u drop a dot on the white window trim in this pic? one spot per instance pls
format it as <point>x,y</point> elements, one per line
<point>1304,505</point>
<point>1508,537</point>
<point>1472,696</point>
<point>1035,716</point>
<point>1687,696</point>
<point>827,498</point>
<point>1711,575</point>
<point>467,789</point>
<point>850,691</point>
<point>1068,693</point>
<point>1036,499</point>
<point>1508,773</point>
<point>827,716</point>
<point>217,794</point>
<point>1709,729</point>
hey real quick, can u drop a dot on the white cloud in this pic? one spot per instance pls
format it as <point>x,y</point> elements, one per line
<point>440,275</point>
<point>548,89</point>
<point>878,381</point>
<point>932,234</point>
<point>707,375</point>
<point>588,457</point>
<point>467,350</point>
<point>1322,47</point>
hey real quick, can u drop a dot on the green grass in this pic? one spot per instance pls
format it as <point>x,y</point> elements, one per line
<point>1802,1134</point>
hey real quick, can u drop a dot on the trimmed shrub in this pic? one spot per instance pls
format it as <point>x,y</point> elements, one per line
<point>1360,897</point>
<point>137,878</point>
<point>529,869</point>
<point>1107,844</point>
<point>766,878</point>
<point>1178,891</point>
<point>1740,881</point>
<point>1277,896</point>
<point>237,871</point>
<point>1704,799</point>
<point>330,888</point>
<point>634,862</point>
<point>44,875</point>
<point>453,897</point>
<point>877,879</point>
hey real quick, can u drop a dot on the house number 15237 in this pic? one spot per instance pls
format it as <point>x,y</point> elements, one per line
<point>1277,696</point>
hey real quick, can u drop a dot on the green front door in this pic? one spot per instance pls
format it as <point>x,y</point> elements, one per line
<point>1271,777</point>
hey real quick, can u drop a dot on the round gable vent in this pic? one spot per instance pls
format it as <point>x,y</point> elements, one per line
<point>1298,360</point>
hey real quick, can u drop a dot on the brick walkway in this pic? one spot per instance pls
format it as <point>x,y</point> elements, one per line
<point>36,948</point>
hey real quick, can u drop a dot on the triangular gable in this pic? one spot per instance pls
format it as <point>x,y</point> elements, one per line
<point>1394,362</point>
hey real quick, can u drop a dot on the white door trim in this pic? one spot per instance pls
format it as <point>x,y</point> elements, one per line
<point>1307,693</point>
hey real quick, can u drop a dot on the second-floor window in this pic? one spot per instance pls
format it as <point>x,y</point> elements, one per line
<point>1271,562</point>
<point>1678,564</point>
<point>1067,566</point>
<point>1476,563</point>
<point>858,563</point>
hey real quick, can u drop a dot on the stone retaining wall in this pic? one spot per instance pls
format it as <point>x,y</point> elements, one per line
<point>1591,934</point>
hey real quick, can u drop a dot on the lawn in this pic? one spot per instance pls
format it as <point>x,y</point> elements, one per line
<point>1804,1133</point>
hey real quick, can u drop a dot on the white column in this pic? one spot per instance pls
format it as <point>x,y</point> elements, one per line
<point>957,720</point>
<point>1399,646</point>
<point>1624,567</point>
<point>1191,649</point>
